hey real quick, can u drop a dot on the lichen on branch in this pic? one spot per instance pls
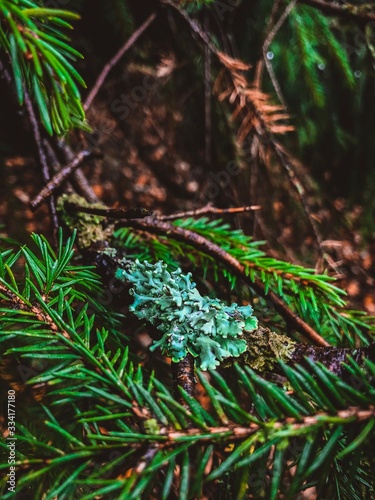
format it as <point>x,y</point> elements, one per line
<point>191,323</point>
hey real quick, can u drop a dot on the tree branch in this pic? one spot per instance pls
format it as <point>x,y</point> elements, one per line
<point>349,11</point>
<point>58,179</point>
<point>206,246</point>
<point>115,59</point>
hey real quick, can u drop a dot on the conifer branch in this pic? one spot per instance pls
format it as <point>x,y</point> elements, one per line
<point>201,243</point>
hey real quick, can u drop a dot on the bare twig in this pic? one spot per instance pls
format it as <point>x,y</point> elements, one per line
<point>349,11</point>
<point>41,154</point>
<point>208,209</point>
<point>58,179</point>
<point>115,59</point>
<point>78,178</point>
<point>111,213</point>
<point>265,48</point>
<point>207,97</point>
<point>271,23</point>
<point>196,240</point>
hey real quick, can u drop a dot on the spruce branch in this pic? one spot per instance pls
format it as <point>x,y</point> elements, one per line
<point>201,243</point>
<point>40,56</point>
<point>139,418</point>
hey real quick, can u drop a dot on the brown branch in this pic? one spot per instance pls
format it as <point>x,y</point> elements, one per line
<point>232,433</point>
<point>7,77</point>
<point>183,376</point>
<point>197,241</point>
<point>42,155</point>
<point>115,59</point>
<point>58,179</point>
<point>271,35</point>
<point>349,11</point>
<point>78,179</point>
<point>207,96</point>
<point>110,213</point>
<point>208,209</point>
<point>37,311</point>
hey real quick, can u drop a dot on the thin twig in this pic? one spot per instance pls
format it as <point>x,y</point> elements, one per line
<point>196,240</point>
<point>260,64</point>
<point>115,59</point>
<point>79,179</point>
<point>266,46</point>
<point>110,213</point>
<point>42,156</point>
<point>349,11</point>
<point>208,209</point>
<point>207,97</point>
<point>261,130</point>
<point>58,179</point>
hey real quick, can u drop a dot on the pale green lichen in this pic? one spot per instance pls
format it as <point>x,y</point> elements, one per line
<point>191,323</point>
<point>90,228</point>
<point>265,348</point>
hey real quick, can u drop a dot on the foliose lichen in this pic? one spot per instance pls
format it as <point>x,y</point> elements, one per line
<point>191,323</point>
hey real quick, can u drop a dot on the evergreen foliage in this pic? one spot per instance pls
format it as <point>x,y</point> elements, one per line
<point>106,428</point>
<point>41,58</point>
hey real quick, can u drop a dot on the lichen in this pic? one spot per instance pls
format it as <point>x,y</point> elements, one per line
<point>90,228</point>
<point>191,323</point>
<point>265,348</point>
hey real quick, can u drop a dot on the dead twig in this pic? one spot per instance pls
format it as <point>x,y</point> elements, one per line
<point>58,179</point>
<point>110,213</point>
<point>42,155</point>
<point>207,96</point>
<point>270,37</point>
<point>208,209</point>
<point>256,118</point>
<point>115,59</point>
<point>346,10</point>
<point>79,179</point>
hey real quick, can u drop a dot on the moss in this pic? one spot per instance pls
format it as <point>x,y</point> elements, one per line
<point>265,348</point>
<point>90,228</point>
